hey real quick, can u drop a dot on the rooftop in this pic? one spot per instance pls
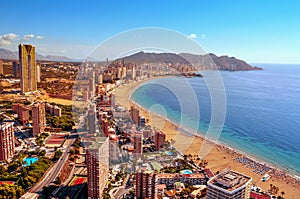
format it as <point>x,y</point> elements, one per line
<point>98,143</point>
<point>229,180</point>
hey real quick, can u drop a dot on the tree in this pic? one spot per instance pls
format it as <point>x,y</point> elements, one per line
<point>282,193</point>
<point>42,153</point>
<point>72,151</point>
<point>2,170</point>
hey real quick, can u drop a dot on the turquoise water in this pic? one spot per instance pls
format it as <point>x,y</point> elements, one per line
<point>187,172</point>
<point>30,160</point>
<point>262,116</point>
<point>169,153</point>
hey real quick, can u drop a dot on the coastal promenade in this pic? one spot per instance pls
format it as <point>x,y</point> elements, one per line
<point>220,157</point>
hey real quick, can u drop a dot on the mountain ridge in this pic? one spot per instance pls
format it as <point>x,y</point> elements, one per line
<point>10,55</point>
<point>208,61</point>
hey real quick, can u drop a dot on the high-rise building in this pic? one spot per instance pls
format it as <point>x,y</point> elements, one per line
<point>113,148</point>
<point>135,114</point>
<point>7,140</point>
<point>138,145</point>
<point>229,185</point>
<point>146,185</point>
<point>133,73</point>
<point>38,73</point>
<point>22,111</point>
<point>28,68</point>
<point>38,118</point>
<point>92,119</point>
<point>159,139</point>
<point>1,67</point>
<point>16,69</point>
<point>97,156</point>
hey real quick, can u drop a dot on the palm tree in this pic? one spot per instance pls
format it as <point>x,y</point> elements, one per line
<point>282,193</point>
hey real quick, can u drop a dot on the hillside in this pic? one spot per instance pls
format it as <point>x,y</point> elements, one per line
<point>10,55</point>
<point>208,61</point>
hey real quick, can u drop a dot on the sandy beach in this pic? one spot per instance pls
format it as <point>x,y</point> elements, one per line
<point>220,157</point>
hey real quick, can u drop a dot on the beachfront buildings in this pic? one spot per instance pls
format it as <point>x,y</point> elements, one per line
<point>28,68</point>
<point>135,114</point>
<point>38,118</point>
<point>7,140</point>
<point>159,140</point>
<point>97,157</point>
<point>229,185</point>
<point>146,185</point>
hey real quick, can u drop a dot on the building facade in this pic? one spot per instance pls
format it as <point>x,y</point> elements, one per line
<point>38,118</point>
<point>28,68</point>
<point>97,157</point>
<point>229,185</point>
<point>146,185</point>
<point>7,140</point>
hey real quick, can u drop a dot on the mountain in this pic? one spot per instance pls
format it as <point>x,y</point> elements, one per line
<point>207,61</point>
<point>222,63</point>
<point>10,55</point>
<point>7,54</point>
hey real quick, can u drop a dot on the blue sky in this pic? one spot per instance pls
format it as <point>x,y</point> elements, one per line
<point>258,31</point>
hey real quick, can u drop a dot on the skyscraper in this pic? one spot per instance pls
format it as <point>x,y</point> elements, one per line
<point>28,68</point>
<point>146,185</point>
<point>7,140</point>
<point>1,67</point>
<point>38,73</point>
<point>138,145</point>
<point>97,156</point>
<point>38,118</point>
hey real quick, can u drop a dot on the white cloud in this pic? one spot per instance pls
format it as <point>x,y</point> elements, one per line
<point>40,37</point>
<point>203,36</point>
<point>6,40</point>
<point>27,37</point>
<point>192,36</point>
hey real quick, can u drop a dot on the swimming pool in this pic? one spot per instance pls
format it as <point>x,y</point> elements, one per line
<point>29,161</point>
<point>169,153</point>
<point>187,171</point>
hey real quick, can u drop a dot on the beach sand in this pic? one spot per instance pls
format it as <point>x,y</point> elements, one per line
<point>219,158</point>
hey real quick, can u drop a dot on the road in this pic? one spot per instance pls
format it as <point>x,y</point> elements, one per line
<point>52,174</point>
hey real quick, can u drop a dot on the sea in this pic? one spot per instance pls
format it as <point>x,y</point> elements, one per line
<point>262,110</point>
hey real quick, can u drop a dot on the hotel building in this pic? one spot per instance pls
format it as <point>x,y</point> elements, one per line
<point>7,140</point>
<point>97,157</point>
<point>28,68</point>
<point>146,185</point>
<point>229,185</point>
<point>38,118</point>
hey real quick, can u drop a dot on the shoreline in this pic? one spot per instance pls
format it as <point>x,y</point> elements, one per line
<point>221,156</point>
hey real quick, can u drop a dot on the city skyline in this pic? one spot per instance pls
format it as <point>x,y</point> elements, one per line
<point>257,32</point>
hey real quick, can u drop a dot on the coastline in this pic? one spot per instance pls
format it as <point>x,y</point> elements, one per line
<point>220,157</point>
